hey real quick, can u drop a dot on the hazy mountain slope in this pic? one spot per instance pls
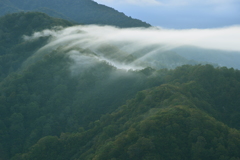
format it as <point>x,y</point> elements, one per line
<point>219,57</point>
<point>165,122</point>
<point>81,11</point>
<point>53,13</point>
<point>168,59</point>
<point>7,7</point>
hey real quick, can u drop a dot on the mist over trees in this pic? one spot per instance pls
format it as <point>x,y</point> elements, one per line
<point>74,103</point>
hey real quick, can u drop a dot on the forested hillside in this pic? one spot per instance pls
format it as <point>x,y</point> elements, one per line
<point>49,97</point>
<point>13,50</point>
<point>80,11</point>
<point>187,117</point>
<point>60,99</point>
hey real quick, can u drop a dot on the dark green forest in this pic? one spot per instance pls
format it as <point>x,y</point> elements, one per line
<point>13,50</point>
<point>49,112</point>
<point>80,11</point>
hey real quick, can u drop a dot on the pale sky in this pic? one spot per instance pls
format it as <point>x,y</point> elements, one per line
<point>180,14</point>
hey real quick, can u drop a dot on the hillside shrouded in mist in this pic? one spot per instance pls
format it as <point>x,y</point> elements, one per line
<point>137,48</point>
<point>100,92</point>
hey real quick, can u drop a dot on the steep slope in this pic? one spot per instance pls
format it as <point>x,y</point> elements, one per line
<point>81,11</point>
<point>166,122</point>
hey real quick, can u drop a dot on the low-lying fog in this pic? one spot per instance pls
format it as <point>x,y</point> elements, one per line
<point>136,48</point>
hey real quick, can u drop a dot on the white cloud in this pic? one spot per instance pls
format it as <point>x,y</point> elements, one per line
<point>92,44</point>
<point>90,36</point>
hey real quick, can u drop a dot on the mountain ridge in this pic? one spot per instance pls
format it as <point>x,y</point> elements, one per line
<point>160,123</point>
<point>71,103</point>
<point>80,11</point>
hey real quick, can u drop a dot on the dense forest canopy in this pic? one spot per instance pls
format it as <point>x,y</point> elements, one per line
<point>72,102</point>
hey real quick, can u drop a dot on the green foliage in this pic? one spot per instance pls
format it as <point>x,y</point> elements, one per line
<point>163,131</point>
<point>217,87</point>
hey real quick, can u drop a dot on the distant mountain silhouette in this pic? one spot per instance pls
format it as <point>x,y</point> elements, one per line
<point>80,11</point>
